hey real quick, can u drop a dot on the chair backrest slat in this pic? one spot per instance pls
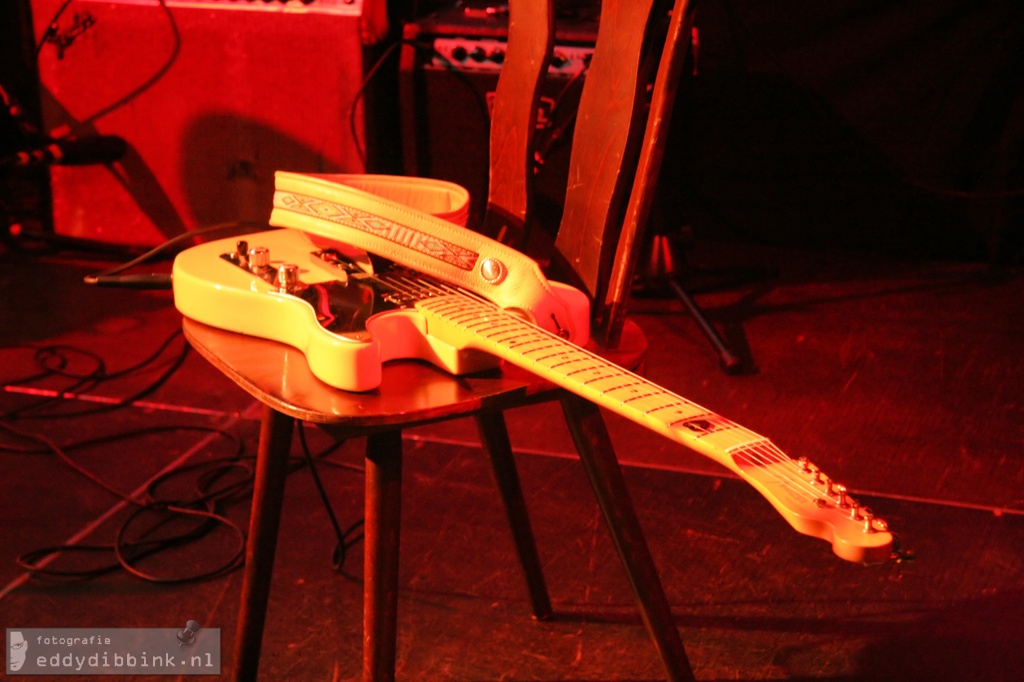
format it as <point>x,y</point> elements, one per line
<point>531,36</point>
<point>612,126</point>
<point>600,166</point>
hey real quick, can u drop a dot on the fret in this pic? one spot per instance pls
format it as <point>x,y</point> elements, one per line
<point>749,453</point>
<point>704,424</point>
<point>612,375</point>
<point>562,352</point>
<point>534,339</point>
<point>743,453</point>
<point>486,323</point>
<point>460,317</point>
<point>699,415</point>
<point>659,392</point>
<point>529,336</point>
<point>550,355</point>
<point>568,362</point>
<point>679,402</point>
<point>506,335</point>
<point>459,314</point>
<point>446,304</point>
<point>622,387</point>
<point>498,336</point>
<point>590,368</point>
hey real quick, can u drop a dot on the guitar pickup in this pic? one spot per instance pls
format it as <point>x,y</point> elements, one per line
<point>343,264</point>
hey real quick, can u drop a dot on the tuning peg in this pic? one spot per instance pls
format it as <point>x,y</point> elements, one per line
<point>871,524</point>
<point>840,492</point>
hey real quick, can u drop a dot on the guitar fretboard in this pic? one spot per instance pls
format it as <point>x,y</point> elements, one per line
<point>806,498</point>
<point>593,377</point>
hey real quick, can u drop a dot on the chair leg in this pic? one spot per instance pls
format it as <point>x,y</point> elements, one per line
<point>381,531</point>
<point>268,494</point>
<point>494,434</point>
<point>594,445</point>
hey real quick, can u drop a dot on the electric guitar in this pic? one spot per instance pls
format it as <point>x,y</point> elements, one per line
<point>322,298</point>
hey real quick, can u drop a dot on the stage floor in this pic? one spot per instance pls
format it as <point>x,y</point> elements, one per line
<point>902,379</point>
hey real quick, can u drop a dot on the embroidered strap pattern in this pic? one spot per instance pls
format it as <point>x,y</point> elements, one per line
<point>383,228</point>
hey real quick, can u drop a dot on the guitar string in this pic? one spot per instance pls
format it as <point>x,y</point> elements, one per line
<point>759,451</point>
<point>792,476</point>
<point>752,449</point>
<point>732,431</point>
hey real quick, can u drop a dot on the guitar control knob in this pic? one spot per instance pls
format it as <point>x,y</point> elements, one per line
<point>259,257</point>
<point>287,277</point>
<point>242,253</point>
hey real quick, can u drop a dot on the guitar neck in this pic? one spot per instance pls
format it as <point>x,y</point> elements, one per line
<point>602,382</point>
<point>808,500</point>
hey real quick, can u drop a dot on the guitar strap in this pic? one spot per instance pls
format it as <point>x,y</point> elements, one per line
<point>420,223</point>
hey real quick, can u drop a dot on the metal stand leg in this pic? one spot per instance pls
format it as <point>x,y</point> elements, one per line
<point>661,273</point>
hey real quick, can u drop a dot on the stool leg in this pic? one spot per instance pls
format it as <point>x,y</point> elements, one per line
<point>381,531</point>
<point>594,445</point>
<point>494,434</point>
<point>268,495</point>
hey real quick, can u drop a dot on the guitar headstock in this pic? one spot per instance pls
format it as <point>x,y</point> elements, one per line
<point>816,505</point>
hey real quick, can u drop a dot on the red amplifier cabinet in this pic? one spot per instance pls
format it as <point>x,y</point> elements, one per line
<point>212,97</point>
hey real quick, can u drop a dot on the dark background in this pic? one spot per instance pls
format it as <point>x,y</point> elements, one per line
<point>870,126</point>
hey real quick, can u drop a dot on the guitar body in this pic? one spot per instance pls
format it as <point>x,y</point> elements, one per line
<point>344,322</point>
<point>320,297</point>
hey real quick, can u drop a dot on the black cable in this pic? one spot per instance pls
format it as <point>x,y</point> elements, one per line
<point>452,68</point>
<point>106,277</point>
<point>345,539</point>
<point>97,376</point>
<point>353,130</point>
<point>203,510</point>
<point>53,359</point>
<point>52,28</point>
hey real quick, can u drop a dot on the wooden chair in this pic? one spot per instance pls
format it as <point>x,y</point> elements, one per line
<point>588,238</point>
